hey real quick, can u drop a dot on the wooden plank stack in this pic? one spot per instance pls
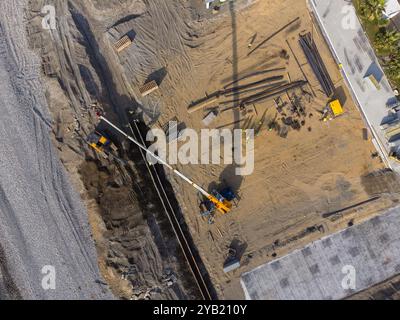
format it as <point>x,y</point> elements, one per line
<point>148,88</point>
<point>123,43</point>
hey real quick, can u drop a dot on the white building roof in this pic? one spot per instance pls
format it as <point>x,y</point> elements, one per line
<point>392,8</point>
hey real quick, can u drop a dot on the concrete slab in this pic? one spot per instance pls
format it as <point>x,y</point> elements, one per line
<point>318,270</point>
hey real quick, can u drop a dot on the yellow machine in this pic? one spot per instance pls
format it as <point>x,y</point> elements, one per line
<point>333,110</point>
<point>394,155</point>
<point>98,142</point>
<point>221,204</point>
<point>103,145</point>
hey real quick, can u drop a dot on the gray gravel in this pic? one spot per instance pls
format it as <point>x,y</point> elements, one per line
<point>42,220</point>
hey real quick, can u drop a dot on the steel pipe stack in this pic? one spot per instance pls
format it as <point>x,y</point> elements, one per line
<point>316,63</point>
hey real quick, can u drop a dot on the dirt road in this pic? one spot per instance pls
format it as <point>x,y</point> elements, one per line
<point>42,220</point>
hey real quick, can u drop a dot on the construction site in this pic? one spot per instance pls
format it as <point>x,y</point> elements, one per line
<point>113,70</point>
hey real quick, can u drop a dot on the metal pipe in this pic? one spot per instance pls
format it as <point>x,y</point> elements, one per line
<point>253,84</point>
<point>267,86</point>
<point>270,93</point>
<point>253,75</point>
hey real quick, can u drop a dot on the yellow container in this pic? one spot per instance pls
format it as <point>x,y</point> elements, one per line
<point>336,108</point>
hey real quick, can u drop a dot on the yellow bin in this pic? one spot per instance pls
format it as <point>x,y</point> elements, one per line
<point>336,108</point>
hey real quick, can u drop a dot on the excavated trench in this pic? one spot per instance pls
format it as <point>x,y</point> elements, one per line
<point>122,190</point>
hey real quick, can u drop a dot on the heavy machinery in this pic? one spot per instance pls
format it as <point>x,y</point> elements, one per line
<point>394,155</point>
<point>222,204</point>
<point>333,110</point>
<point>98,142</point>
<point>102,144</point>
<point>208,207</point>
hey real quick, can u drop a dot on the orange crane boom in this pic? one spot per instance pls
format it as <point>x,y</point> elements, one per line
<point>224,206</point>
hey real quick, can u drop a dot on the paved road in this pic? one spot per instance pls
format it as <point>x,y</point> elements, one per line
<point>42,220</point>
<point>349,44</point>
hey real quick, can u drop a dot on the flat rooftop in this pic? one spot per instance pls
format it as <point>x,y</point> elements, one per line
<point>315,272</point>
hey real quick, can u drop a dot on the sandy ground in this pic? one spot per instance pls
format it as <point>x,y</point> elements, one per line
<point>42,220</point>
<point>322,168</point>
<point>296,180</point>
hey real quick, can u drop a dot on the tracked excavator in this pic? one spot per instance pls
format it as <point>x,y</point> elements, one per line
<point>221,203</point>
<point>102,144</point>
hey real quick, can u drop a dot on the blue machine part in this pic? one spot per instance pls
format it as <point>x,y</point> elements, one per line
<point>228,194</point>
<point>218,196</point>
<point>210,208</point>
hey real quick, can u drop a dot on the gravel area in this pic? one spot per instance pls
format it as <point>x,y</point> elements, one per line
<point>42,220</point>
